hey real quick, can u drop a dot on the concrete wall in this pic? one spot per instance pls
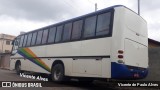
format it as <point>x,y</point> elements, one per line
<point>154,65</point>
<point>5,61</point>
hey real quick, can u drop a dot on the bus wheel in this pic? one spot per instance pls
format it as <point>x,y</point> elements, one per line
<point>58,73</point>
<point>18,68</point>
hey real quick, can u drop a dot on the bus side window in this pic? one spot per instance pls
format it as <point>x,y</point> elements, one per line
<point>89,27</point>
<point>25,40</point>
<point>39,37</point>
<point>67,31</point>
<point>52,34</point>
<point>29,39</point>
<point>34,38</point>
<point>45,35</point>
<point>77,29</point>
<point>59,33</point>
<point>21,41</point>
<point>103,24</point>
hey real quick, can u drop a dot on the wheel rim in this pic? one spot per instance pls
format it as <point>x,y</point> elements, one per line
<point>57,74</point>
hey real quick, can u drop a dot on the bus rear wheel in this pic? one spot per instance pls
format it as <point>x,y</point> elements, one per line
<point>18,68</point>
<point>58,73</point>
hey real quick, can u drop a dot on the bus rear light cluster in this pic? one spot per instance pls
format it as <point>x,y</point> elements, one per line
<point>120,56</point>
<point>120,51</point>
<point>120,61</point>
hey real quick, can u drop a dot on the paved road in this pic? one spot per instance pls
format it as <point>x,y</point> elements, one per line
<point>7,75</point>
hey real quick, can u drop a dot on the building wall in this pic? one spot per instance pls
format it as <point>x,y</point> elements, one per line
<point>152,45</point>
<point>6,43</point>
<point>154,67</point>
<point>5,61</point>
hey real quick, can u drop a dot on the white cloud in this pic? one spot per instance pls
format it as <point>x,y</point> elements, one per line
<point>9,25</point>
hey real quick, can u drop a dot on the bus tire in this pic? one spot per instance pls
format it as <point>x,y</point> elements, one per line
<point>58,73</point>
<point>18,68</point>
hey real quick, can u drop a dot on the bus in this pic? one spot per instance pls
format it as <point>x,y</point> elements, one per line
<point>111,43</point>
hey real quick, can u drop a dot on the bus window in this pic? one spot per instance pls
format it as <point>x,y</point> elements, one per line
<point>67,31</point>
<point>45,35</point>
<point>77,29</point>
<point>59,33</point>
<point>52,34</point>
<point>34,38</point>
<point>21,42</point>
<point>103,24</point>
<point>15,44</point>
<point>25,40</point>
<point>89,27</point>
<point>29,39</point>
<point>39,37</point>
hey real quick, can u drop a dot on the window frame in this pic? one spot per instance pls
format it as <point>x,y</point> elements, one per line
<point>30,40</point>
<point>18,38</point>
<point>62,39</point>
<point>21,43</point>
<point>61,33</point>
<point>36,43</point>
<point>25,35</point>
<point>46,29</point>
<point>73,39</point>
<point>8,42</point>
<point>94,15</point>
<point>35,38</point>
<point>54,34</point>
<point>109,24</point>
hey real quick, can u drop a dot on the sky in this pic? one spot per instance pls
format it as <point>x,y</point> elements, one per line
<point>28,15</point>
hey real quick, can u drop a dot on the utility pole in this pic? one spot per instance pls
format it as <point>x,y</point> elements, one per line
<point>138,7</point>
<point>96,7</point>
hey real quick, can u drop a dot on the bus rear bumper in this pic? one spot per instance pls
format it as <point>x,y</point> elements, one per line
<point>121,71</point>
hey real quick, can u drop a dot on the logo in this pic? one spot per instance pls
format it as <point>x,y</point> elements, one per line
<point>6,84</point>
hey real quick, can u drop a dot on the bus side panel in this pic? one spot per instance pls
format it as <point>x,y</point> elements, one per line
<point>69,49</point>
<point>106,68</point>
<point>97,47</point>
<point>117,33</point>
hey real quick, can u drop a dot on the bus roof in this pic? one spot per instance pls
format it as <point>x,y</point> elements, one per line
<point>77,18</point>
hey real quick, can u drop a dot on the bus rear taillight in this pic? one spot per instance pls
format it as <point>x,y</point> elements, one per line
<point>120,56</point>
<point>120,51</point>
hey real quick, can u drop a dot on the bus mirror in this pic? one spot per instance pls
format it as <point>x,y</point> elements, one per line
<point>13,42</point>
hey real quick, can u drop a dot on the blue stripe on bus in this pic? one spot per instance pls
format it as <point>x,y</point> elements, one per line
<point>121,71</point>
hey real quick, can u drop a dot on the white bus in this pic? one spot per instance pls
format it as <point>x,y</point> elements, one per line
<point>108,44</point>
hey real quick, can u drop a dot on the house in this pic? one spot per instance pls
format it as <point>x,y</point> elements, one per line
<point>6,43</point>
<point>153,43</point>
